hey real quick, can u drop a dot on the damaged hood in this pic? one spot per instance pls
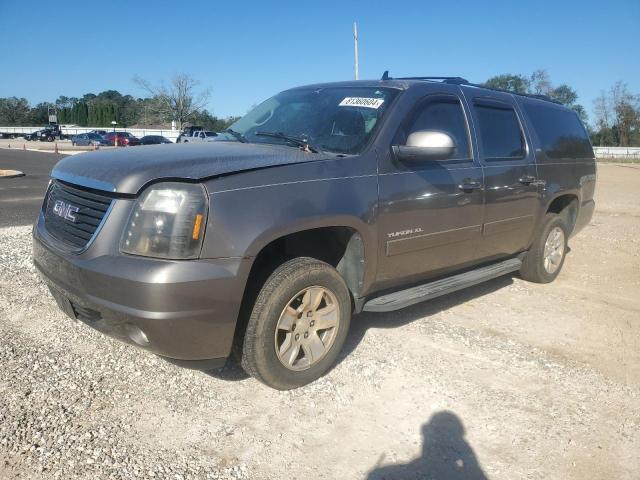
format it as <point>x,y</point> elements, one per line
<point>128,169</point>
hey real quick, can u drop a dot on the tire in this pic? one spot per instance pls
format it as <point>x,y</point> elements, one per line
<point>267,324</point>
<point>538,268</point>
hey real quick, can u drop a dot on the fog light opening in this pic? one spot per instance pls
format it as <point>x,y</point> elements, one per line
<point>137,335</point>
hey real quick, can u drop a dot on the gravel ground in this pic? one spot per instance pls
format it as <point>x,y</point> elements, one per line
<point>506,380</point>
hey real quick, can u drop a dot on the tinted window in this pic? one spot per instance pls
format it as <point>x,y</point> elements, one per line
<point>500,132</point>
<point>443,115</point>
<point>560,131</point>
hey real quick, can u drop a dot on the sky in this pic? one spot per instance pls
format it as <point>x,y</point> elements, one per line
<point>247,51</point>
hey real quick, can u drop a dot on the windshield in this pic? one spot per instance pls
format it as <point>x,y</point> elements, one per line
<point>334,119</point>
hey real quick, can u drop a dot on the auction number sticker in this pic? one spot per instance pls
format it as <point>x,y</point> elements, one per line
<point>362,102</point>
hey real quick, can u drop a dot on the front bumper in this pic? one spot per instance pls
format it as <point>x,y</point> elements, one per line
<point>183,310</point>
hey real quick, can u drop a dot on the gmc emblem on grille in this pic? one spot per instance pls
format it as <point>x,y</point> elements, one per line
<point>65,210</point>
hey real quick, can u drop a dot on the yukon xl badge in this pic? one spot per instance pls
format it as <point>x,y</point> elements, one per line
<point>65,210</point>
<point>402,233</point>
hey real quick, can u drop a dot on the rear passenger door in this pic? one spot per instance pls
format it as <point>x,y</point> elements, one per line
<point>510,179</point>
<point>430,215</point>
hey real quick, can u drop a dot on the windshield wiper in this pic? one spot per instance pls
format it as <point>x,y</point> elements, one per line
<point>299,141</point>
<point>237,135</point>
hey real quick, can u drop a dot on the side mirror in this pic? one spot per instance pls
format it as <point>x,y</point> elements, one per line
<point>426,145</point>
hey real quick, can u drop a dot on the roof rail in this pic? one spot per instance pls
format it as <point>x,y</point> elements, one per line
<point>529,95</point>
<point>454,80</point>
<point>463,81</point>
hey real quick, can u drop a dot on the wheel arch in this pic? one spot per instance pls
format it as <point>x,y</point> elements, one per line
<point>566,204</point>
<point>341,245</point>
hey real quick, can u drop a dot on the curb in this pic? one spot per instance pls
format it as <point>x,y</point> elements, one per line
<point>11,173</point>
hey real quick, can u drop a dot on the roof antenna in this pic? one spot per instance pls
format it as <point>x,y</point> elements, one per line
<point>385,75</point>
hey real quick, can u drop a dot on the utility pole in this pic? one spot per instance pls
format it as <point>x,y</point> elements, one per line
<point>355,50</point>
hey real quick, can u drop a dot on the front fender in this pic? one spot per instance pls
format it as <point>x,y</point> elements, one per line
<point>243,221</point>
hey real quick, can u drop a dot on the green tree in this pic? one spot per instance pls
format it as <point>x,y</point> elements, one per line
<point>39,115</point>
<point>510,82</point>
<point>626,113</point>
<point>538,83</point>
<point>14,111</point>
<point>210,122</point>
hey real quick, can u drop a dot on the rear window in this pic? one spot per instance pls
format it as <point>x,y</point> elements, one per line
<point>500,132</point>
<point>560,131</point>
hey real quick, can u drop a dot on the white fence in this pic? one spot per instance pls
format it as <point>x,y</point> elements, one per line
<point>138,132</point>
<point>617,152</point>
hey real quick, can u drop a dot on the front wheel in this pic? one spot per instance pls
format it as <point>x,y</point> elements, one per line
<point>545,258</point>
<point>298,325</point>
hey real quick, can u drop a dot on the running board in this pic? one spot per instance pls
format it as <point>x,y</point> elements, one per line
<point>427,291</point>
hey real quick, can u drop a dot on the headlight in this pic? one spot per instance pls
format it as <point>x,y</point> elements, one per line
<point>168,221</point>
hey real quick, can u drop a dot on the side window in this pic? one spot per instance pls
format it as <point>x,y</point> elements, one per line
<point>444,115</point>
<point>499,132</point>
<point>560,131</point>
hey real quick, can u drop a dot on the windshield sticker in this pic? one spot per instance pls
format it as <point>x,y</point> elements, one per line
<point>362,102</point>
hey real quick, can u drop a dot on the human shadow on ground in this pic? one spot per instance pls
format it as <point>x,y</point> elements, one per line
<point>446,455</point>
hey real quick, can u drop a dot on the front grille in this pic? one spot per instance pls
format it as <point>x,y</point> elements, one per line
<point>73,214</point>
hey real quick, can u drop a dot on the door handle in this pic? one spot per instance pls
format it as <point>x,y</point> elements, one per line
<point>469,185</point>
<point>527,179</point>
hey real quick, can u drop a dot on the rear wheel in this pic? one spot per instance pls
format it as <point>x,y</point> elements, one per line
<point>545,258</point>
<point>298,325</point>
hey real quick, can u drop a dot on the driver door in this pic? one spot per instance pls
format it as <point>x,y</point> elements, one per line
<point>430,217</point>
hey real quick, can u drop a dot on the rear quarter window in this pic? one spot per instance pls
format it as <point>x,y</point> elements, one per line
<point>560,132</point>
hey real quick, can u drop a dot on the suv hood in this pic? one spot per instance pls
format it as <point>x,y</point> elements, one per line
<point>128,169</point>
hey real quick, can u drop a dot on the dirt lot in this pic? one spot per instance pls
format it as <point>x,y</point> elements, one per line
<point>507,380</point>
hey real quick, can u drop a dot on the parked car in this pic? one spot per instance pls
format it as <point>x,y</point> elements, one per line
<point>322,202</point>
<point>200,136</point>
<point>188,132</point>
<point>47,134</point>
<point>154,140</point>
<point>33,136</point>
<point>102,133</point>
<point>88,139</point>
<point>125,139</point>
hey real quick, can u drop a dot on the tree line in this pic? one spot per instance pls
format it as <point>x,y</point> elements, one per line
<point>179,102</point>
<point>616,112</point>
